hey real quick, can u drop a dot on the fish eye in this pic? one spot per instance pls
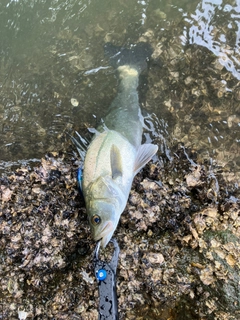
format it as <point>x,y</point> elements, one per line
<point>96,220</point>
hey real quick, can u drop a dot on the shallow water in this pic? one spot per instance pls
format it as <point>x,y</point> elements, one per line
<point>52,52</point>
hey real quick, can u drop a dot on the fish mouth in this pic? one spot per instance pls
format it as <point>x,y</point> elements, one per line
<point>105,234</point>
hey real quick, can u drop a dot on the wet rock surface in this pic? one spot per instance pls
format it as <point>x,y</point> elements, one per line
<point>179,241</point>
<point>179,234</point>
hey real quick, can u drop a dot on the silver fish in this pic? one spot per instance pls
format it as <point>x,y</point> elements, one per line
<point>114,156</point>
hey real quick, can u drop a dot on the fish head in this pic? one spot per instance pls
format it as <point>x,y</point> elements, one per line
<point>103,220</point>
<point>105,202</point>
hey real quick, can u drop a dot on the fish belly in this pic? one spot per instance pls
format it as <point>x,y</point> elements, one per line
<point>98,159</point>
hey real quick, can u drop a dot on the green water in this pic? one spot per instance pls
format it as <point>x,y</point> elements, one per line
<point>52,51</point>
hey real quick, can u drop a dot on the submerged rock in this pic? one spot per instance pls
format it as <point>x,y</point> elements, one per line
<point>179,254</point>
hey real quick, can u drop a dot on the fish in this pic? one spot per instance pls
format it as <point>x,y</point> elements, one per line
<point>116,153</point>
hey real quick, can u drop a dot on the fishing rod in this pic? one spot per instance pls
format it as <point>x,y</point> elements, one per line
<point>105,274</point>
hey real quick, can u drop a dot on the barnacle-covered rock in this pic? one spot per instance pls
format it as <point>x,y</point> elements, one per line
<point>179,234</point>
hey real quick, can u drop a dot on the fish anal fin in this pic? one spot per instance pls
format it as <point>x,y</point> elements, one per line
<point>144,154</point>
<point>116,162</point>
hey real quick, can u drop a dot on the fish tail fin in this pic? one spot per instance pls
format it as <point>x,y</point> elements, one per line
<point>136,56</point>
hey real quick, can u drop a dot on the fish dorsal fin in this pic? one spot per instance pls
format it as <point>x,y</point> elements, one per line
<point>144,154</point>
<point>93,130</point>
<point>81,145</point>
<point>116,162</point>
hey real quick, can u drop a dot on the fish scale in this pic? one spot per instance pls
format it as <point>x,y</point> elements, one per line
<point>115,154</point>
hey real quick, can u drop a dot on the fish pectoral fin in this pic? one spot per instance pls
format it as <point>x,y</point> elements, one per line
<point>145,154</point>
<point>116,162</point>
